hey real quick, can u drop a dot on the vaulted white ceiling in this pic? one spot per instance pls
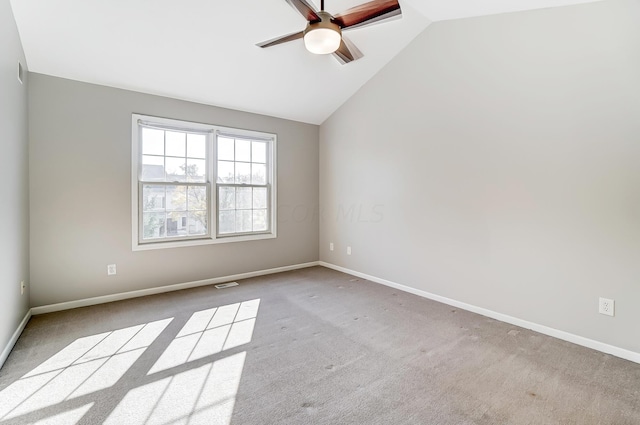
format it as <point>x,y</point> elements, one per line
<point>204,50</point>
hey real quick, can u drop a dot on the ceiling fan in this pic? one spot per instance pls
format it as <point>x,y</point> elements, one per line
<point>323,34</point>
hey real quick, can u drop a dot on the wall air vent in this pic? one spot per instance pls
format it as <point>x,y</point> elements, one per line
<point>226,285</point>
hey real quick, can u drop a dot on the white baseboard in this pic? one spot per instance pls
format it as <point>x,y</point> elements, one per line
<point>14,338</point>
<point>161,289</point>
<point>566,336</point>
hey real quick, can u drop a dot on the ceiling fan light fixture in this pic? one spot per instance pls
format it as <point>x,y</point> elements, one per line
<point>322,41</point>
<point>322,37</point>
<point>323,34</point>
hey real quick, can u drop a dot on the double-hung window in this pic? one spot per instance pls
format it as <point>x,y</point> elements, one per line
<point>196,183</point>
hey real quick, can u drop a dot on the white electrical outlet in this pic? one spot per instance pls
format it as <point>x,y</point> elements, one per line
<point>348,250</point>
<point>607,307</point>
<point>330,246</point>
<point>23,286</point>
<point>111,269</point>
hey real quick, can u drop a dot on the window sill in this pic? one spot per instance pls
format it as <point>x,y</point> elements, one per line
<point>197,242</point>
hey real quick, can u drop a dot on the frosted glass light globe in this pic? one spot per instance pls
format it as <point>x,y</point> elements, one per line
<point>322,41</point>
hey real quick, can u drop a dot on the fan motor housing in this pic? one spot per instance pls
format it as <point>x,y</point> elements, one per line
<point>325,22</point>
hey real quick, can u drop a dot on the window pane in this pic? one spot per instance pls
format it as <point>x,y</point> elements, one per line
<point>176,144</point>
<point>243,221</point>
<point>196,146</point>
<point>225,172</point>
<point>227,198</point>
<point>152,141</point>
<point>259,152</point>
<point>152,198</point>
<point>197,223</point>
<point>196,170</point>
<point>152,168</point>
<point>243,172</point>
<point>259,220</point>
<point>243,150</point>
<point>176,224</point>
<point>176,198</point>
<point>259,197</point>
<point>243,198</point>
<point>197,198</point>
<point>225,149</point>
<point>258,174</point>
<point>227,222</point>
<point>153,225</point>
<point>176,169</point>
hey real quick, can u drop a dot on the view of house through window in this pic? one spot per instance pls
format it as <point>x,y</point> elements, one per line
<point>177,209</point>
<point>242,185</point>
<point>177,197</point>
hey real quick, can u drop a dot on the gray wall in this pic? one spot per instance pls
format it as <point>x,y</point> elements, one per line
<point>495,161</point>
<point>14,174</point>
<point>80,162</point>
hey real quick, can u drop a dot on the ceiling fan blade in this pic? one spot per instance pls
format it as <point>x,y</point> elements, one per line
<point>305,9</point>
<point>347,52</point>
<point>282,39</point>
<point>368,13</point>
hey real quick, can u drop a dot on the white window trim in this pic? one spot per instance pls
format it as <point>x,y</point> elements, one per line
<point>212,237</point>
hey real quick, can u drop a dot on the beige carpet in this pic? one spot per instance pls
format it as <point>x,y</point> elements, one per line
<point>312,346</point>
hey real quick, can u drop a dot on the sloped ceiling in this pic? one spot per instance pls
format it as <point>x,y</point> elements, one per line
<point>204,50</point>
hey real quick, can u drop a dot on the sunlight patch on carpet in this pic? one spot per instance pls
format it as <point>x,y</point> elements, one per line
<point>87,365</point>
<point>204,395</point>
<point>210,332</point>
<point>65,387</point>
